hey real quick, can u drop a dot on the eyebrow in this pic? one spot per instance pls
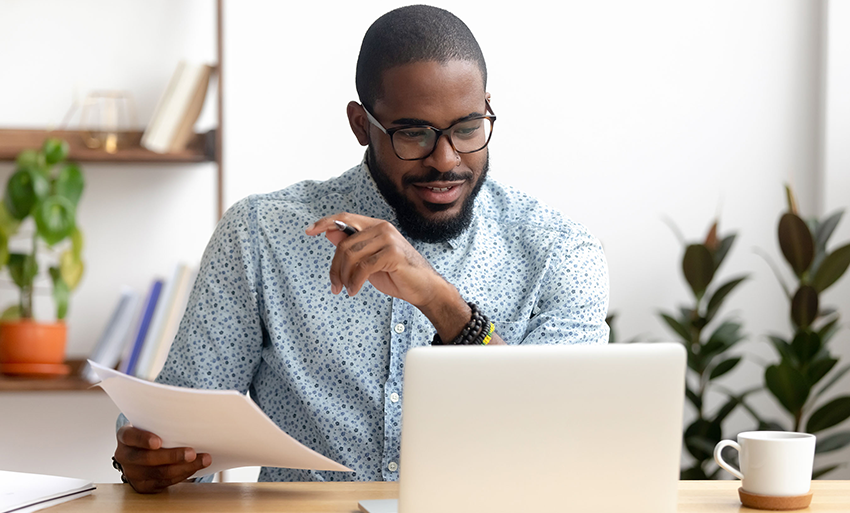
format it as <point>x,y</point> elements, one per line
<point>417,121</point>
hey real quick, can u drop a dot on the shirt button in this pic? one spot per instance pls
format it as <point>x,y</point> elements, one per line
<point>399,328</point>
<point>393,466</point>
<point>394,397</point>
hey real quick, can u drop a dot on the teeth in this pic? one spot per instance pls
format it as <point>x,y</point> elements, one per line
<point>439,189</point>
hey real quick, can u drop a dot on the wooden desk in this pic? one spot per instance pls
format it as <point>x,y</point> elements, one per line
<point>694,497</point>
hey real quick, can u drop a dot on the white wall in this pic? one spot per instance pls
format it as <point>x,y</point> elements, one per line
<point>616,112</point>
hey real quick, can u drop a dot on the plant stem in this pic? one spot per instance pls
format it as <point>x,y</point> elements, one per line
<point>27,291</point>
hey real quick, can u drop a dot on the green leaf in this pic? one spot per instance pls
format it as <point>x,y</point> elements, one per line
<point>8,224</point>
<point>834,379</point>
<point>77,241</point>
<point>723,250</point>
<point>71,269</point>
<point>783,348</point>
<point>70,183</point>
<point>723,367</point>
<point>788,385</point>
<point>832,413</point>
<point>23,269</point>
<point>717,298</point>
<point>818,369</point>
<point>805,346</point>
<point>4,250</point>
<point>55,150</point>
<point>796,243</point>
<point>23,190</point>
<point>804,306</point>
<point>54,218</point>
<point>13,313</point>
<point>30,159</point>
<point>825,229</point>
<point>832,442</point>
<point>61,293</point>
<point>820,472</point>
<point>827,330</point>
<point>693,397</point>
<point>833,267</point>
<point>698,267</point>
<point>728,333</point>
<point>677,327</point>
<point>701,437</point>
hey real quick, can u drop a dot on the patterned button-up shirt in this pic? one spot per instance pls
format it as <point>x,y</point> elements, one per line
<point>328,368</point>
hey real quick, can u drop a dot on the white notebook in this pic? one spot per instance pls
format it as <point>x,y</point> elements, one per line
<point>23,493</point>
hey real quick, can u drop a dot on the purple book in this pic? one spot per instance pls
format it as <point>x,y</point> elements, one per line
<point>144,324</point>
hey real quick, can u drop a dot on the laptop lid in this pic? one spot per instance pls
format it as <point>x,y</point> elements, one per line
<point>542,428</point>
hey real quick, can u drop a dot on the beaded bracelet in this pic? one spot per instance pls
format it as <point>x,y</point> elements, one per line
<point>478,331</point>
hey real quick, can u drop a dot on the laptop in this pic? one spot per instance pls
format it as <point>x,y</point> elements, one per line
<point>593,429</point>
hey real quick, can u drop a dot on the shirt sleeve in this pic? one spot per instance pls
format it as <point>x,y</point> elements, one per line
<point>573,300</point>
<point>219,343</point>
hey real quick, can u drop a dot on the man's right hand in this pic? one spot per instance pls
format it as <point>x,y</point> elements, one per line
<point>148,467</point>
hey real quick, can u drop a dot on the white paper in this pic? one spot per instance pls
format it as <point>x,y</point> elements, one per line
<point>224,423</point>
<point>24,493</point>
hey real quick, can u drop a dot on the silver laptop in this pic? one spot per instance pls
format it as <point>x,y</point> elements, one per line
<point>540,428</point>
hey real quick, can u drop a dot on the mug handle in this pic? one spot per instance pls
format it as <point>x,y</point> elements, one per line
<point>720,461</point>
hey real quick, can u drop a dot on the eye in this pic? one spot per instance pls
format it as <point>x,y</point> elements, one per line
<point>413,134</point>
<point>468,130</point>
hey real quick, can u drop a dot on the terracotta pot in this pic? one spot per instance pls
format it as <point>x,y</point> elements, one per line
<point>30,342</point>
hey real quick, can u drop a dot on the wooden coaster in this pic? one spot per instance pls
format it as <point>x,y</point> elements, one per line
<point>773,503</point>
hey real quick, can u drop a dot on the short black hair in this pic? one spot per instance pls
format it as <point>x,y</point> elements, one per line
<point>414,33</point>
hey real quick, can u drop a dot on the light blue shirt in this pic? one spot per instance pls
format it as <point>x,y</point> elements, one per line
<point>328,368</point>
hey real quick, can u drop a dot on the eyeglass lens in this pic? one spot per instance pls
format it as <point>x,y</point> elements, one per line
<point>418,142</point>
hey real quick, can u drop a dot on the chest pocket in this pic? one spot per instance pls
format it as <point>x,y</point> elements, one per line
<point>511,332</point>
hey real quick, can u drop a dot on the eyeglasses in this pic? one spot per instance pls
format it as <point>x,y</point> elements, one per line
<point>417,142</point>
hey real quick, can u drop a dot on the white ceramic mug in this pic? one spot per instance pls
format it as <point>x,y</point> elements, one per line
<point>776,463</point>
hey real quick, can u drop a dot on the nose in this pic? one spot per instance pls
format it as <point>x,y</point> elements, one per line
<point>444,157</point>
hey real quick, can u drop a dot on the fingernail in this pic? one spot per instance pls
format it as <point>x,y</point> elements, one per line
<point>206,459</point>
<point>311,227</point>
<point>189,455</point>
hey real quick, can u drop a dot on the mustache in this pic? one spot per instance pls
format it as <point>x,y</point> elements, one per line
<point>436,176</point>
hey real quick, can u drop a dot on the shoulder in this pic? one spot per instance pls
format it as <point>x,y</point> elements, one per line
<point>308,198</point>
<point>518,213</point>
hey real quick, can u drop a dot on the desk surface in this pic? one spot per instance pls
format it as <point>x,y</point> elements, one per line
<point>694,497</point>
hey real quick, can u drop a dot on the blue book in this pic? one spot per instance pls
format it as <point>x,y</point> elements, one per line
<point>144,324</point>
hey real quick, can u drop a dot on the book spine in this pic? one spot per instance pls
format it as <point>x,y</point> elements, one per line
<point>153,297</point>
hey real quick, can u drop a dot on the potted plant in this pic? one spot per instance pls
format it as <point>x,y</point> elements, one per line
<point>39,209</point>
<point>807,369</point>
<point>709,356</point>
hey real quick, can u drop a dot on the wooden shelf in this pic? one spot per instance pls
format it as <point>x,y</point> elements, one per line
<point>48,384</point>
<point>202,148</point>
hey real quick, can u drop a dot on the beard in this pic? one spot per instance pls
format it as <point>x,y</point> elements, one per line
<point>412,223</point>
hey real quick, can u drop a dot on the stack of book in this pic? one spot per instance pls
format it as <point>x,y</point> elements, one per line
<point>173,122</point>
<point>139,333</point>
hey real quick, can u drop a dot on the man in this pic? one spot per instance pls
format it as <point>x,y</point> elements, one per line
<point>438,254</point>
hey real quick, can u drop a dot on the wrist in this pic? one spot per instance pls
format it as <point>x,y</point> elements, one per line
<point>448,312</point>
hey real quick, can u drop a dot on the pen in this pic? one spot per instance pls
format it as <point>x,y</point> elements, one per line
<point>344,228</point>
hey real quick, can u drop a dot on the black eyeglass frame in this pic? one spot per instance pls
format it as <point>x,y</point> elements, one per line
<point>439,132</point>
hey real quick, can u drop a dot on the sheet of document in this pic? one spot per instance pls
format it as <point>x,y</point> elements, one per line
<point>224,423</point>
<point>26,493</point>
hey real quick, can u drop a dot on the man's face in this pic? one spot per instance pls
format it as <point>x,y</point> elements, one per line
<point>433,197</point>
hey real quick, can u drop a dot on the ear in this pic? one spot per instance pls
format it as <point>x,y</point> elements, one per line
<point>358,122</point>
